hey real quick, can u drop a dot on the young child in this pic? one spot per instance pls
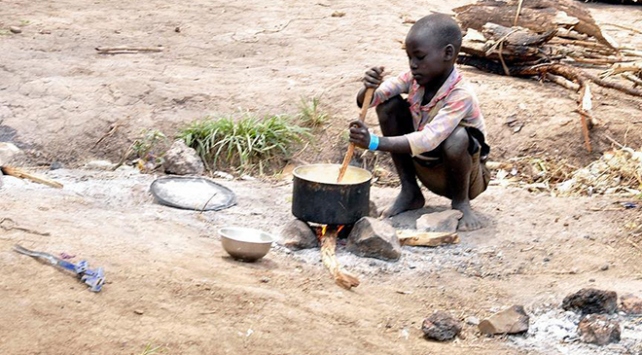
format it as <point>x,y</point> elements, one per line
<point>437,134</point>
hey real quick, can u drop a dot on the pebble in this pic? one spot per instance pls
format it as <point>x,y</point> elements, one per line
<point>138,311</point>
<point>265,279</point>
<point>15,29</point>
<point>604,267</point>
<point>472,320</point>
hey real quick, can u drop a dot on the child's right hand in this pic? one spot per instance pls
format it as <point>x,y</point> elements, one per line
<point>373,77</point>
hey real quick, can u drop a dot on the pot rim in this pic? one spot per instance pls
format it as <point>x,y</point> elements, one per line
<point>297,172</point>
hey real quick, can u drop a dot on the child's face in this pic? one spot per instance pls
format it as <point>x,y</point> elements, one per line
<point>428,62</point>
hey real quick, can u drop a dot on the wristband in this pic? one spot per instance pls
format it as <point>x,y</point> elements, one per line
<point>374,142</point>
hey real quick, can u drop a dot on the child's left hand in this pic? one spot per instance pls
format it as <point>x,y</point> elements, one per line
<point>359,134</point>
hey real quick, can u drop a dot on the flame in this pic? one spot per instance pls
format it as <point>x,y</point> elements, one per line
<point>324,228</point>
<point>340,228</point>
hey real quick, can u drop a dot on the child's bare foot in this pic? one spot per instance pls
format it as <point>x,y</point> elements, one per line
<point>408,199</point>
<point>469,221</point>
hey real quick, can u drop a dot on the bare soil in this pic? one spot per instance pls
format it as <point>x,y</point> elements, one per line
<point>170,284</point>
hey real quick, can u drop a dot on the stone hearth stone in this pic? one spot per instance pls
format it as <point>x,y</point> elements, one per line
<point>513,320</point>
<point>590,300</point>
<point>441,326</point>
<point>183,160</point>
<point>445,221</point>
<point>297,235</point>
<point>373,238</point>
<point>631,304</point>
<point>598,329</point>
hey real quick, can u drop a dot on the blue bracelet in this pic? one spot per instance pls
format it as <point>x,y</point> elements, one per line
<point>374,142</point>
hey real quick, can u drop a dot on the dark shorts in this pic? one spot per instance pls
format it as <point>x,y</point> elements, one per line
<point>435,157</point>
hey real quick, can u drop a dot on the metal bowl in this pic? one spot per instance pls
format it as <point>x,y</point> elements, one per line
<point>246,244</point>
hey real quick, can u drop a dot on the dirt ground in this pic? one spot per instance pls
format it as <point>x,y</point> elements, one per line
<point>170,284</point>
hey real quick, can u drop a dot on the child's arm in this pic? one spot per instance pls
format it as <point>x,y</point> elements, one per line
<point>360,136</point>
<point>384,89</point>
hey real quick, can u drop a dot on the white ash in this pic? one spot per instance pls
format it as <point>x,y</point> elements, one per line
<point>554,331</point>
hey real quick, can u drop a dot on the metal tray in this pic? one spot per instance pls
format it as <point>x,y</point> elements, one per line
<point>192,193</point>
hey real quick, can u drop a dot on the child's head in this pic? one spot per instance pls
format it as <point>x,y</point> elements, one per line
<point>432,45</point>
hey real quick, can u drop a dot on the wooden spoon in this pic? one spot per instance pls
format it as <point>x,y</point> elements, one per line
<point>364,109</point>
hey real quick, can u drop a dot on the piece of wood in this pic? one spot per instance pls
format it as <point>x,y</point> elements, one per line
<point>127,50</point>
<point>329,259</point>
<point>362,116</point>
<point>426,239</point>
<point>537,15</point>
<point>19,173</point>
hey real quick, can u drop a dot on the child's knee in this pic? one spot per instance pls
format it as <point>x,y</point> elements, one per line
<point>457,143</point>
<point>389,110</point>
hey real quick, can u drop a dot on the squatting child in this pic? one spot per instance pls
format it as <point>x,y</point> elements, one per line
<point>436,134</point>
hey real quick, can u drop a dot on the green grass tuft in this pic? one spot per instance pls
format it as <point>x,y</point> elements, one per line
<point>243,144</point>
<point>311,114</point>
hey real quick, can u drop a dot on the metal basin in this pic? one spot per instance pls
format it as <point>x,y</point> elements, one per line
<point>245,244</point>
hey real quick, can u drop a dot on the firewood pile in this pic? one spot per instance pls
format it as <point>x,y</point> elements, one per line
<point>555,40</point>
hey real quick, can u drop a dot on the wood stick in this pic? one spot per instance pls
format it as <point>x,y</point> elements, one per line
<point>125,50</point>
<point>329,259</point>
<point>364,109</point>
<point>19,173</point>
<point>636,81</point>
<point>562,82</point>
<point>426,239</point>
<point>519,9</point>
<point>588,44</point>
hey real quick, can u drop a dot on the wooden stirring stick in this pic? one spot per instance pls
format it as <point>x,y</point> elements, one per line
<point>364,109</point>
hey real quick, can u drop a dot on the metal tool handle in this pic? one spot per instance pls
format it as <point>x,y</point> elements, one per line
<point>362,116</point>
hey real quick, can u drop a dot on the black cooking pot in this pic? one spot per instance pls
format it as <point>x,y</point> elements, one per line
<point>318,198</point>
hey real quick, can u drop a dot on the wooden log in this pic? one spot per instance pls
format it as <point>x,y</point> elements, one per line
<point>426,239</point>
<point>536,15</point>
<point>19,173</point>
<point>516,36</point>
<point>329,259</point>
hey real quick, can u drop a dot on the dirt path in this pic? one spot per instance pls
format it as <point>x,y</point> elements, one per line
<point>171,285</point>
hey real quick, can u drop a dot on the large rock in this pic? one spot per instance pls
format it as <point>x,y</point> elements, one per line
<point>590,300</point>
<point>297,235</point>
<point>183,160</point>
<point>441,326</point>
<point>513,320</point>
<point>598,329</point>
<point>631,304</point>
<point>10,154</point>
<point>445,221</point>
<point>373,238</point>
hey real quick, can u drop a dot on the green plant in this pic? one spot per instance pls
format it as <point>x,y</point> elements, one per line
<point>149,141</point>
<point>311,115</point>
<point>149,350</point>
<point>244,143</point>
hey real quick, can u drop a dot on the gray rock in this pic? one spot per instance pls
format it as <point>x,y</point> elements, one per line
<point>513,320</point>
<point>373,210</point>
<point>590,300</point>
<point>472,320</point>
<point>445,221</point>
<point>297,235</point>
<point>441,326</point>
<point>10,154</point>
<point>373,238</point>
<point>598,329</point>
<point>631,304</point>
<point>183,160</point>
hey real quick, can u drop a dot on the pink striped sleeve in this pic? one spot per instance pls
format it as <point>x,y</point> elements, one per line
<point>458,106</point>
<point>392,87</point>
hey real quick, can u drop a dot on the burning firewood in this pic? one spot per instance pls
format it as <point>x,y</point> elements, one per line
<point>329,258</point>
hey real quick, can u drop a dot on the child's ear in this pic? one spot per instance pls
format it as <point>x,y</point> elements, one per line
<point>449,52</point>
